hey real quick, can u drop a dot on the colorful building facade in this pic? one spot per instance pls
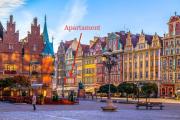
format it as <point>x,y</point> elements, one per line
<point>31,56</point>
<point>70,65</point>
<point>98,47</point>
<point>60,77</point>
<point>115,44</point>
<point>141,58</point>
<point>170,59</point>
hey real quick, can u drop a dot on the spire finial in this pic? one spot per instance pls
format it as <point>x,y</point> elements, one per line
<point>45,18</point>
<point>175,13</point>
<point>52,39</point>
<point>142,32</point>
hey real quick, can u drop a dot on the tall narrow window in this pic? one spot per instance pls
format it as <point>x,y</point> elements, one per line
<point>135,65</point>
<point>178,62</point>
<point>152,53</point>
<point>146,63</point>
<point>156,74</point>
<point>146,53</point>
<point>179,76</point>
<point>157,52</point>
<point>170,62</point>
<point>152,64</point>
<point>34,47</point>
<point>135,74</point>
<point>157,62</point>
<point>10,46</point>
<point>140,74</point>
<point>141,64</point>
<point>146,74</point>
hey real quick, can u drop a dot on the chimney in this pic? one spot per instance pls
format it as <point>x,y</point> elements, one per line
<point>35,21</point>
<point>11,18</point>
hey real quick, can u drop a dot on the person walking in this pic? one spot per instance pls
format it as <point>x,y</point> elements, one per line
<point>34,102</point>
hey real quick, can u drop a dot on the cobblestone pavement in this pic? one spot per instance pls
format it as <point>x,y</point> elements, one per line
<point>87,110</point>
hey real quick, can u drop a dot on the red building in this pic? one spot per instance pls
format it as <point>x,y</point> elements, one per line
<point>27,57</point>
<point>170,59</point>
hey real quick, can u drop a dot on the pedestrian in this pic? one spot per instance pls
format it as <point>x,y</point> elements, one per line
<point>34,102</point>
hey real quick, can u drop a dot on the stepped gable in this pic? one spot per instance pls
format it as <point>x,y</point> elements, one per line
<point>67,44</point>
<point>85,48</point>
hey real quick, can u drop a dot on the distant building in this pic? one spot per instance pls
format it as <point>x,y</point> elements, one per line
<point>114,43</point>
<point>61,68</point>
<point>141,58</point>
<point>98,47</point>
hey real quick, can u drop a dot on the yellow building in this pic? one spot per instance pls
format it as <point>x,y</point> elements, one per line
<point>142,58</point>
<point>89,71</point>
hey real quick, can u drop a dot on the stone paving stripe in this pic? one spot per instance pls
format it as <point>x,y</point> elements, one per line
<point>64,118</point>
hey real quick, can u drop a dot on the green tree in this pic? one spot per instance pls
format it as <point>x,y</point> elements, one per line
<point>7,82</point>
<point>128,88</point>
<point>15,82</point>
<point>148,89</point>
<point>22,81</point>
<point>105,89</point>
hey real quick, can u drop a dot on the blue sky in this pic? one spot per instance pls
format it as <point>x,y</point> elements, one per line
<point>113,15</point>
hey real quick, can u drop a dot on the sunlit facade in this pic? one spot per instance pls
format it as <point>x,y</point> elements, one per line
<point>141,58</point>
<point>89,70</point>
<point>114,43</point>
<point>31,56</point>
<point>170,59</point>
<point>73,65</point>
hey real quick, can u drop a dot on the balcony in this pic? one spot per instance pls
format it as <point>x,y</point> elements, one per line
<point>10,72</point>
<point>34,73</point>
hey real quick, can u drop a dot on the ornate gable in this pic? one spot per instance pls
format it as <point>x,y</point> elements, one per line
<point>128,46</point>
<point>128,39</point>
<point>142,43</point>
<point>61,48</point>
<point>155,41</point>
<point>113,39</point>
<point>98,47</point>
<point>74,46</point>
<point>142,38</point>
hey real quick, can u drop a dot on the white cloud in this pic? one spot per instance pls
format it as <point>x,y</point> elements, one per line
<point>7,6</point>
<point>73,15</point>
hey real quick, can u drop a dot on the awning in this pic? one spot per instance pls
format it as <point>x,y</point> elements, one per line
<point>34,62</point>
<point>36,85</point>
<point>67,88</point>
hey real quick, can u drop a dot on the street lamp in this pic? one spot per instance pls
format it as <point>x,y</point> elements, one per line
<point>61,79</point>
<point>109,60</point>
<point>139,86</point>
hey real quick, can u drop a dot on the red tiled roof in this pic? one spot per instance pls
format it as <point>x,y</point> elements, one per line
<point>67,44</point>
<point>85,48</point>
<point>174,18</point>
<point>134,38</point>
